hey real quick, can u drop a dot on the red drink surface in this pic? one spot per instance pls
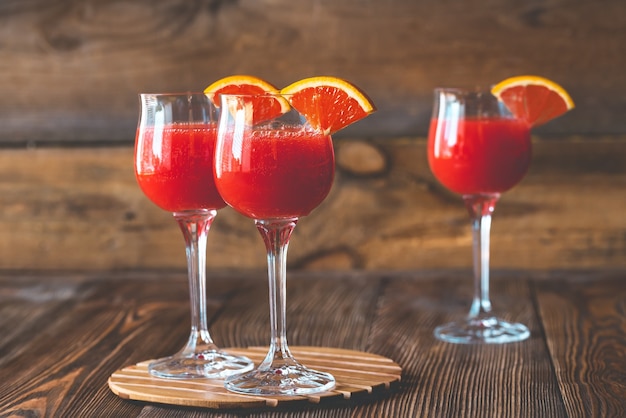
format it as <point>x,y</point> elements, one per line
<point>176,171</point>
<point>479,156</point>
<point>276,174</point>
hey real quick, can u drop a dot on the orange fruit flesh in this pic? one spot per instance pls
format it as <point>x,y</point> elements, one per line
<point>536,104</point>
<point>534,99</point>
<point>338,110</point>
<point>329,103</point>
<point>266,106</point>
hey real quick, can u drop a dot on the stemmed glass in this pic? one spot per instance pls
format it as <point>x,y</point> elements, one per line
<point>274,172</point>
<point>478,149</point>
<point>174,151</point>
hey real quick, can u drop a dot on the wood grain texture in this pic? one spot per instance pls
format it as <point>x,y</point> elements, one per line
<point>69,333</point>
<point>596,315</point>
<point>460,380</point>
<point>70,70</point>
<point>81,209</point>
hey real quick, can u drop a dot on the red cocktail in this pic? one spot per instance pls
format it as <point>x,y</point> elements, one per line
<point>278,174</point>
<point>175,166</point>
<point>478,149</point>
<point>174,152</point>
<point>274,163</point>
<point>479,155</point>
<point>273,171</point>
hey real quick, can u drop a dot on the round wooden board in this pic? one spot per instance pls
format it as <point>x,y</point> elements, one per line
<point>358,374</point>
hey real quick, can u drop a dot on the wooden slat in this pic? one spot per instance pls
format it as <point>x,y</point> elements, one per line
<point>585,324</point>
<point>92,325</point>
<point>440,379</point>
<point>112,320</point>
<point>81,209</point>
<point>87,326</point>
<point>57,367</point>
<point>70,71</point>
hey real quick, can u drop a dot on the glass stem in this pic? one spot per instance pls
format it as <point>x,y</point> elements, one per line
<point>195,226</point>
<point>480,208</point>
<point>276,234</point>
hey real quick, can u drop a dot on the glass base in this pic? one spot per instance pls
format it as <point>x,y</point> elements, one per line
<point>208,364</point>
<point>489,330</point>
<point>285,380</point>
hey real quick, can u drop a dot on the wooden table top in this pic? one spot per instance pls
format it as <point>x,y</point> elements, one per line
<point>63,335</point>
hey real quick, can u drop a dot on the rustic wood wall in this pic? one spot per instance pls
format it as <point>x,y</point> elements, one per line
<point>70,71</point>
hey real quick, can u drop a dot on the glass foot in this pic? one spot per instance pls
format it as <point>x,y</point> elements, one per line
<point>482,331</point>
<point>208,364</point>
<point>285,380</point>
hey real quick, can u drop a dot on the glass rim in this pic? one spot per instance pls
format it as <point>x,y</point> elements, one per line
<point>208,95</point>
<point>268,94</point>
<point>476,91</point>
<point>465,90</point>
<point>171,94</point>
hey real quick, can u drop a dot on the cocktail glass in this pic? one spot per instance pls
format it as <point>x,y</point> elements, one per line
<point>478,149</point>
<point>174,151</point>
<point>275,172</point>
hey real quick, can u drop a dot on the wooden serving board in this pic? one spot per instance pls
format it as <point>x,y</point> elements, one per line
<point>358,374</point>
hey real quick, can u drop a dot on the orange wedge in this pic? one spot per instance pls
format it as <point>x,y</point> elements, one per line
<point>328,103</point>
<point>268,105</point>
<point>534,99</point>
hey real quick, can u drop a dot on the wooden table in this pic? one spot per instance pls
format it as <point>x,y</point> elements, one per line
<point>63,335</point>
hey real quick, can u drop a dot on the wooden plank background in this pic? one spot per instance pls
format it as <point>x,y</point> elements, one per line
<point>80,208</point>
<point>70,71</point>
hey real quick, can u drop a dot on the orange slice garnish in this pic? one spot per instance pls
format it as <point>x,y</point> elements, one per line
<point>268,105</point>
<point>534,99</point>
<point>329,103</point>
